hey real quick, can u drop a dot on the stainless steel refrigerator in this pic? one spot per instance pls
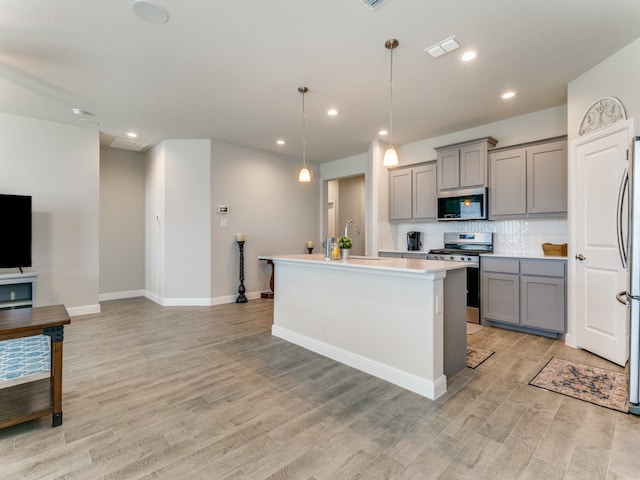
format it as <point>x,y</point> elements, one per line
<point>629,247</point>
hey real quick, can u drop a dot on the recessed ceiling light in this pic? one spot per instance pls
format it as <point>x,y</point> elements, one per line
<point>150,12</point>
<point>132,135</point>
<point>508,95</point>
<point>79,111</point>
<point>332,112</point>
<point>382,133</point>
<point>280,142</point>
<point>469,55</point>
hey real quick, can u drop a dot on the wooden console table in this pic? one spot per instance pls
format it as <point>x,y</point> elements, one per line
<point>270,293</point>
<point>27,401</point>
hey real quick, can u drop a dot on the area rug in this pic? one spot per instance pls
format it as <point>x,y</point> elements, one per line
<point>475,356</point>
<point>599,386</point>
<point>473,328</point>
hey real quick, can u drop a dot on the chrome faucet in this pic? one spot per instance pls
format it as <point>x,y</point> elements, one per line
<point>346,228</point>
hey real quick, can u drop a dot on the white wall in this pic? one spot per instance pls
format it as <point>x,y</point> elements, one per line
<point>524,128</point>
<point>617,76</point>
<point>122,237</point>
<point>266,202</point>
<point>154,220</point>
<point>59,166</point>
<point>179,220</point>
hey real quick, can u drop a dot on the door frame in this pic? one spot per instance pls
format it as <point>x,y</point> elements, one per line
<point>571,337</point>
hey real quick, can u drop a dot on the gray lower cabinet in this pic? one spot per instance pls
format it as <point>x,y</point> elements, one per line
<point>412,192</point>
<point>528,180</point>
<point>524,294</point>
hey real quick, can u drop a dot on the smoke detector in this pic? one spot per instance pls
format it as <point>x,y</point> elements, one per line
<point>373,4</point>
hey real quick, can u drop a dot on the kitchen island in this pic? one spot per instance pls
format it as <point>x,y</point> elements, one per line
<point>402,320</point>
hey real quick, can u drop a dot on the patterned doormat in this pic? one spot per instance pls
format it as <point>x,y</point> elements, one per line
<point>475,356</point>
<point>599,386</point>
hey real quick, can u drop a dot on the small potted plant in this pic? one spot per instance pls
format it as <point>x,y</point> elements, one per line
<point>345,244</point>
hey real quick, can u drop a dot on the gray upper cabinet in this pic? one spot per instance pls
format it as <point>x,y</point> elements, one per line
<point>412,192</point>
<point>400,193</point>
<point>463,165</point>
<point>528,180</point>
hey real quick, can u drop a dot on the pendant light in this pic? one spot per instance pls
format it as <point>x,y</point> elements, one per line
<point>304,176</point>
<point>390,156</point>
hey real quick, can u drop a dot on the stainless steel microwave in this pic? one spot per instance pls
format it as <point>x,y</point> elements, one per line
<point>468,204</point>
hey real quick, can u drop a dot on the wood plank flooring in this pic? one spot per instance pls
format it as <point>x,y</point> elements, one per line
<point>154,392</point>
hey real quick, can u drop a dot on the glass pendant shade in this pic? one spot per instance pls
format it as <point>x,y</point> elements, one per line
<point>390,157</point>
<point>304,176</point>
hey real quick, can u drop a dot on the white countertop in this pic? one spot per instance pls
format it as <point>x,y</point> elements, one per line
<point>409,265</point>
<point>533,256</point>
<point>494,254</point>
<point>390,250</point>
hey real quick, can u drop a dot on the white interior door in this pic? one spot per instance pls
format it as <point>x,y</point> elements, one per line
<point>602,323</point>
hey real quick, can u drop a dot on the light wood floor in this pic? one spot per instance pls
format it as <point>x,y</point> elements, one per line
<point>207,393</point>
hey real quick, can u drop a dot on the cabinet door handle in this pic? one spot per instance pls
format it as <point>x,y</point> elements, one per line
<point>580,257</point>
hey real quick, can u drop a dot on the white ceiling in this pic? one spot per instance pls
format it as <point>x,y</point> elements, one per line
<point>230,69</point>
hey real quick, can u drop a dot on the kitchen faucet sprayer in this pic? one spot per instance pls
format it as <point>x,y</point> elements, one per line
<point>346,228</point>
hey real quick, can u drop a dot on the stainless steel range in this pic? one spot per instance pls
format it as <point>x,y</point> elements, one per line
<point>466,247</point>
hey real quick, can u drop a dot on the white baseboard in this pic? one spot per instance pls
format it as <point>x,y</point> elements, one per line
<point>84,310</point>
<point>232,298</point>
<point>419,385</point>
<point>103,297</point>
<point>196,302</point>
<point>186,302</point>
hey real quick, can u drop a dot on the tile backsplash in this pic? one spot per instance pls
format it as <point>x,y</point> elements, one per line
<point>522,236</point>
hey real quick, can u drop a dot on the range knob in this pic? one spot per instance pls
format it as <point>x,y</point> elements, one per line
<point>451,257</point>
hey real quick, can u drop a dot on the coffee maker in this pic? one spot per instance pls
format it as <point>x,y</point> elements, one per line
<point>414,241</point>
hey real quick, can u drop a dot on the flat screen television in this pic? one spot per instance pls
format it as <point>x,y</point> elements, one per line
<point>15,239</point>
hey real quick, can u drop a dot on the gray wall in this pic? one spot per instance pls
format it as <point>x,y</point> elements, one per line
<point>59,166</point>
<point>122,183</point>
<point>351,207</point>
<point>277,214</point>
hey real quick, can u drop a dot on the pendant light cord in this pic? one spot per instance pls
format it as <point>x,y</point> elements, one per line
<point>304,134</point>
<point>390,98</point>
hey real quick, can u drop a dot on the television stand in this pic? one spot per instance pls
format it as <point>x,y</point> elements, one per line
<point>17,290</point>
<point>28,401</point>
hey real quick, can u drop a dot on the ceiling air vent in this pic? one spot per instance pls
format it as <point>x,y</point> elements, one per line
<point>126,144</point>
<point>373,4</point>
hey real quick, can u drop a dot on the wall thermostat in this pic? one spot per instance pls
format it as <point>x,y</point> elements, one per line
<point>223,209</point>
